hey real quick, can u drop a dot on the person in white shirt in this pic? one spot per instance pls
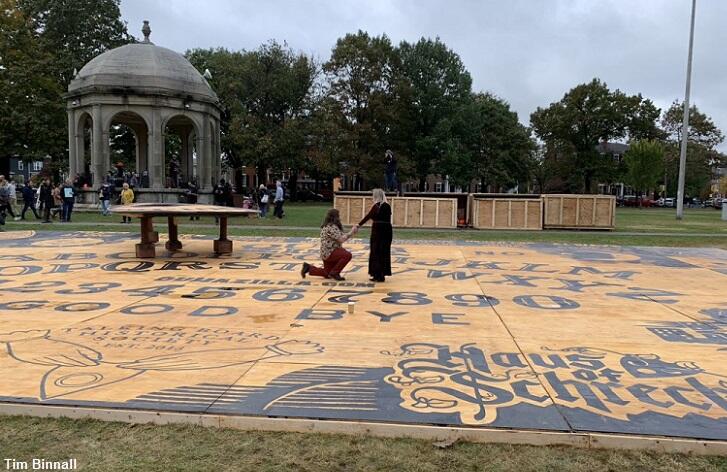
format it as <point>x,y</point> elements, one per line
<point>12,198</point>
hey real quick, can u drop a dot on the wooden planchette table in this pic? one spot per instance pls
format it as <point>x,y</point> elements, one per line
<point>147,211</point>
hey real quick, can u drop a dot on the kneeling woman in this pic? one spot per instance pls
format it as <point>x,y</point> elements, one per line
<point>334,257</point>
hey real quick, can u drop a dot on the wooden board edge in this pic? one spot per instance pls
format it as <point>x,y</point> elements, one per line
<point>390,430</point>
<point>599,228</point>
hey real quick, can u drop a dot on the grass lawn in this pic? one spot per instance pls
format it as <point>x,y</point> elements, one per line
<point>102,446</point>
<point>634,226</point>
<point>654,220</point>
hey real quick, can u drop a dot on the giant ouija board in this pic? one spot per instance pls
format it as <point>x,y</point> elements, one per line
<point>540,336</point>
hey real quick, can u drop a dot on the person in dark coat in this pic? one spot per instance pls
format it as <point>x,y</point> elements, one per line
<point>390,172</point>
<point>69,197</point>
<point>46,199</point>
<point>192,196</point>
<point>381,236</point>
<point>28,200</point>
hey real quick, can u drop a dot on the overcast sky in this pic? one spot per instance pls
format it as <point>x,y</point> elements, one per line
<point>529,52</point>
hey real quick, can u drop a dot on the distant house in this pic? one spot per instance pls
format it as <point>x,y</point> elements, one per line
<point>614,151</point>
<point>718,174</point>
<point>21,171</point>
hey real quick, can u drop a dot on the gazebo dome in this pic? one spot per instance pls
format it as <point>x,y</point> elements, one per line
<point>142,68</point>
<point>154,92</point>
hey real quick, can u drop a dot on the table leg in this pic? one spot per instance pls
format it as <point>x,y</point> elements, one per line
<point>173,244</point>
<point>146,247</point>
<point>223,245</point>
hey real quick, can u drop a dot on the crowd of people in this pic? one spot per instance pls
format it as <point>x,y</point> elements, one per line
<point>46,202</point>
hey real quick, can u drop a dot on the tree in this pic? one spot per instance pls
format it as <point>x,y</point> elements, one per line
<point>41,43</point>
<point>702,157</point>
<point>485,141</point>
<point>266,96</point>
<point>76,31</point>
<point>588,114</point>
<point>702,129</point>
<point>360,75</point>
<point>644,162</point>
<point>432,85</point>
<point>32,117</point>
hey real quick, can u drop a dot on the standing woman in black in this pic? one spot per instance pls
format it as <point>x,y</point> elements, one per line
<point>381,236</point>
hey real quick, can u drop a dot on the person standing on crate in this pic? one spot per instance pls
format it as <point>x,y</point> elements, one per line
<point>381,236</point>
<point>390,171</point>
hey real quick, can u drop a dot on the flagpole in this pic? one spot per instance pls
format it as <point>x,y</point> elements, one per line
<point>685,123</point>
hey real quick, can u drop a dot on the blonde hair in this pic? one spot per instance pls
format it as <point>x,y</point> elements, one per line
<point>379,196</point>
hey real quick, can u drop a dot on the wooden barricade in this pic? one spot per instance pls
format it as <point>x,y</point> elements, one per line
<point>579,211</point>
<point>503,212</point>
<point>406,212</point>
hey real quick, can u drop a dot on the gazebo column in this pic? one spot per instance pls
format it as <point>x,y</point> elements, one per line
<point>79,132</point>
<point>156,151</point>
<point>188,155</point>
<point>97,164</point>
<point>209,157</point>
<point>202,156</point>
<point>185,153</point>
<point>142,148</point>
<point>217,150</point>
<point>72,144</point>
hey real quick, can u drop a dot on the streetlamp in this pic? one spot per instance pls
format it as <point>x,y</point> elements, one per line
<point>685,124</point>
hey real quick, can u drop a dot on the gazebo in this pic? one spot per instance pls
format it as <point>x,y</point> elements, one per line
<point>154,91</point>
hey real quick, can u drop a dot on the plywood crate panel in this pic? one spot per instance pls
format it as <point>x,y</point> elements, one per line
<point>406,212</point>
<point>580,211</point>
<point>507,213</point>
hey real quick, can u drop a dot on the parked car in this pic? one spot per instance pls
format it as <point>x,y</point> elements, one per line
<point>718,202</point>
<point>670,202</point>
<point>634,201</point>
<point>708,203</point>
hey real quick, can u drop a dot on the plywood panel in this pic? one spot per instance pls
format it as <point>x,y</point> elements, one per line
<point>406,212</point>
<point>579,211</point>
<point>414,213</point>
<point>398,212</point>
<point>504,213</point>
<point>535,214</point>
<point>519,337</point>
<point>430,213</point>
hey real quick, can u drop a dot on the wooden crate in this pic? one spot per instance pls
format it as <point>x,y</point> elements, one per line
<point>579,211</point>
<point>406,212</point>
<point>506,213</point>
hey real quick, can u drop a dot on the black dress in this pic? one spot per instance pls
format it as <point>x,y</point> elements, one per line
<point>381,236</point>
